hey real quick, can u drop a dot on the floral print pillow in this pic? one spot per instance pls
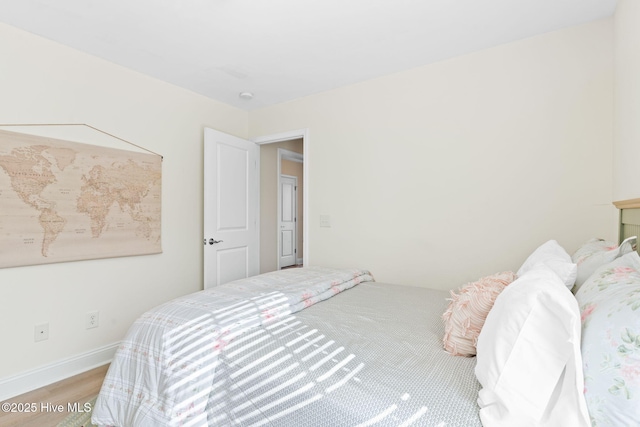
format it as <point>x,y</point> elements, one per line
<point>610,312</point>
<point>596,253</point>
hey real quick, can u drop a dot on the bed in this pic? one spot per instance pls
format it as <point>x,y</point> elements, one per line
<point>332,347</point>
<point>281,358</point>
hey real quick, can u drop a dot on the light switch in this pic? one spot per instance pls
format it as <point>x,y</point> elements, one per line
<point>325,221</point>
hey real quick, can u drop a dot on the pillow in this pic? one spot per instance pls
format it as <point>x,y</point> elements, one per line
<point>467,311</point>
<point>552,255</point>
<point>598,252</point>
<point>610,305</point>
<point>528,356</point>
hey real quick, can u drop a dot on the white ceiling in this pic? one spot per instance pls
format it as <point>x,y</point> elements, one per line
<point>286,49</point>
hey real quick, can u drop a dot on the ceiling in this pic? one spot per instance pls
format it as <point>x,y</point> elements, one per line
<point>286,49</point>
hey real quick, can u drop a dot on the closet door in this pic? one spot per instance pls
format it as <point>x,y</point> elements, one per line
<point>287,222</point>
<point>231,203</point>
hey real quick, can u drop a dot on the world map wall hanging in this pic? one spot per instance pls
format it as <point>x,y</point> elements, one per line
<point>68,201</point>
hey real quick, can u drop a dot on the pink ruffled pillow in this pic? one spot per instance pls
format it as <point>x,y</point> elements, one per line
<point>468,310</point>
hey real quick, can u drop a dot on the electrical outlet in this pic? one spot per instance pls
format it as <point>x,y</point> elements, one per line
<point>92,320</point>
<point>41,332</point>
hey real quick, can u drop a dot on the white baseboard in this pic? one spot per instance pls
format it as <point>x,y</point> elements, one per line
<point>31,380</point>
<point>299,261</point>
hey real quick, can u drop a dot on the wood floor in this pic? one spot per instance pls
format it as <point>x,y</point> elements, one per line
<point>80,389</point>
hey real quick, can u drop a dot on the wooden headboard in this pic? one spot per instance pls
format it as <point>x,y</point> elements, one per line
<point>629,218</point>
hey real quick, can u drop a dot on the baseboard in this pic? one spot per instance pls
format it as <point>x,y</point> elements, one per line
<point>299,261</point>
<point>24,382</point>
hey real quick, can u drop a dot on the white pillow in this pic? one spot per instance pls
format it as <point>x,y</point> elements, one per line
<point>552,255</point>
<point>596,253</point>
<point>528,356</point>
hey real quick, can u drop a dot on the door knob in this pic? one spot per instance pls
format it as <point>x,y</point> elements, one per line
<point>213,241</point>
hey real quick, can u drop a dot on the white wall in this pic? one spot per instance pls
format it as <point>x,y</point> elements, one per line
<point>444,173</point>
<point>43,82</point>
<point>626,149</point>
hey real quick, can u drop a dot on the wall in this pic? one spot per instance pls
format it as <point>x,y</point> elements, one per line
<point>626,147</point>
<point>269,201</point>
<point>441,174</point>
<point>292,168</point>
<point>43,82</point>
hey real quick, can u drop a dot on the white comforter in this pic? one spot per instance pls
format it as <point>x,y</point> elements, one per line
<point>163,372</point>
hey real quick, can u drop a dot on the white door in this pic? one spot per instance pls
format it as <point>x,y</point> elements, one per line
<point>287,221</point>
<point>231,199</point>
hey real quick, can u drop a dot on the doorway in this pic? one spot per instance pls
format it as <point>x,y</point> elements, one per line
<point>282,154</point>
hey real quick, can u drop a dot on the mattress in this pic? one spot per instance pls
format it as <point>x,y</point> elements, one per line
<point>369,356</point>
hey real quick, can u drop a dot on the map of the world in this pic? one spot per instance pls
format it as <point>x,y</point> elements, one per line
<point>68,201</point>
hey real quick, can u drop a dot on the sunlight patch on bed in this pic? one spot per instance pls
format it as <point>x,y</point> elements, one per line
<point>415,417</point>
<point>273,364</point>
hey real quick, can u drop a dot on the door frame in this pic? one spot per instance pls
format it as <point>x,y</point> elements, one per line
<point>306,142</point>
